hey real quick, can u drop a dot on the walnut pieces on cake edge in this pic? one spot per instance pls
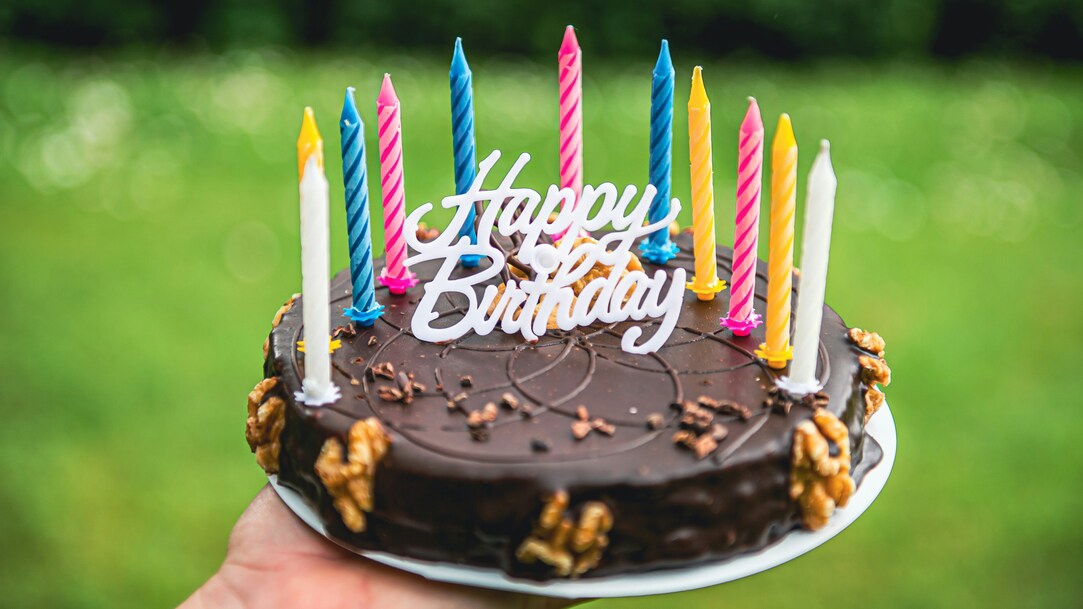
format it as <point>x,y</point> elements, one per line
<point>349,480</point>
<point>874,370</point>
<point>874,399</point>
<point>820,482</point>
<point>570,547</point>
<point>285,308</point>
<point>869,341</point>
<point>263,427</point>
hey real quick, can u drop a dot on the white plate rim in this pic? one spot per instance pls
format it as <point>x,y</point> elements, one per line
<point>881,427</point>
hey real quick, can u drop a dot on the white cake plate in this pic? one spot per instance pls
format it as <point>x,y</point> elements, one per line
<point>881,427</point>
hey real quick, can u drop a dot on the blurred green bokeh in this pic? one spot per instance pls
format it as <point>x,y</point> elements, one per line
<point>787,29</point>
<point>148,205</point>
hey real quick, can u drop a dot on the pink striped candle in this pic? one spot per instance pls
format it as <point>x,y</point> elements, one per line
<point>570,88</point>
<point>394,275</point>
<point>742,318</point>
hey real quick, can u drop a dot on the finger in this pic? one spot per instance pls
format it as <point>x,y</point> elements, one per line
<point>269,527</point>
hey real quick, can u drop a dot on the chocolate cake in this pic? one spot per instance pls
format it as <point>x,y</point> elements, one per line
<point>566,457</point>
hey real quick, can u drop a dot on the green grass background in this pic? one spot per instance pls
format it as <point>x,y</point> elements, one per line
<point>149,232</point>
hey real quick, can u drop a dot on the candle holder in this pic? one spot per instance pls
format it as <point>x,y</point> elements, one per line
<point>708,290</point>
<point>398,285</point>
<point>315,394</point>
<point>364,318</point>
<point>798,388</point>
<point>775,359</point>
<point>742,327</point>
<point>332,346</point>
<point>658,253</point>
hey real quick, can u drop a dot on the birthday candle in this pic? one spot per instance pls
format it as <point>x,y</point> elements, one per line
<point>570,90</point>
<point>317,387</point>
<point>355,180</point>
<point>462,134</point>
<point>815,247</point>
<point>777,350</point>
<point>706,282</point>
<point>395,275</point>
<point>657,247</point>
<point>742,318</point>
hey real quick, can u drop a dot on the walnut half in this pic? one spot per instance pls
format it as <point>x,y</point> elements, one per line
<point>349,480</point>
<point>874,399</point>
<point>820,482</point>
<point>874,370</point>
<point>266,418</point>
<point>869,341</point>
<point>571,548</point>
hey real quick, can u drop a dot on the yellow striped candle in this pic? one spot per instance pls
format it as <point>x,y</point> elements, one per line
<point>777,350</point>
<point>706,283</point>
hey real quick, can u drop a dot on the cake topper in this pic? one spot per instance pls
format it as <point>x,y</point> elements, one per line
<point>525,305</point>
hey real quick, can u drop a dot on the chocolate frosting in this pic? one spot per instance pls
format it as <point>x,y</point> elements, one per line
<point>444,493</point>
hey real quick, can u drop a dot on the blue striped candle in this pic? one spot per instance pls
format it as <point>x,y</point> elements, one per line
<point>364,310</point>
<point>658,248</point>
<point>462,133</point>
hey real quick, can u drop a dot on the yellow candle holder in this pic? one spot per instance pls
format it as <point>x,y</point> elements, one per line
<point>708,290</point>
<point>775,359</point>
<point>335,344</point>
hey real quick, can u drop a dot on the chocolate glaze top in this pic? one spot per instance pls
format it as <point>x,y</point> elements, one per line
<point>562,371</point>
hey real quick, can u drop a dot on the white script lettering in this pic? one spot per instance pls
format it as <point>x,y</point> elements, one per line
<point>525,305</point>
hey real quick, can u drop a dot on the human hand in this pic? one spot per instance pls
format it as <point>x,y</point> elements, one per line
<point>275,560</point>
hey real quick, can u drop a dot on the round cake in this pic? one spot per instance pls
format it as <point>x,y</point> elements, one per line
<point>565,457</point>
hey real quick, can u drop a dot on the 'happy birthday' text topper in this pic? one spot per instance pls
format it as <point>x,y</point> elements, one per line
<point>525,305</point>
